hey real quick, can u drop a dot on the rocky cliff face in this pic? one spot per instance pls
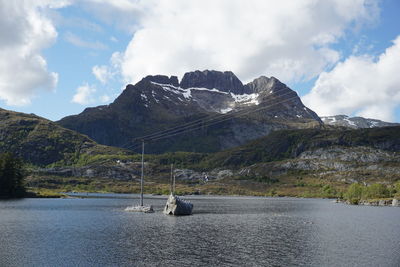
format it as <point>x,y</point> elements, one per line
<point>222,81</point>
<point>228,112</point>
<point>355,122</point>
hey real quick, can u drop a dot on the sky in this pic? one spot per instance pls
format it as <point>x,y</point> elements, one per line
<point>59,57</point>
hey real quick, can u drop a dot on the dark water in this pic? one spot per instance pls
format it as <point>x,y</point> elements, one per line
<point>224,231</point>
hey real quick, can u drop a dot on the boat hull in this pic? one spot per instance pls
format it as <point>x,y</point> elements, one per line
<point>145,209</point>
<point>176,206</point>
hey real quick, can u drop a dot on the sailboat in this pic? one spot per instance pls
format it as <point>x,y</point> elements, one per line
<point>141,207</point>
<point>175,205</point>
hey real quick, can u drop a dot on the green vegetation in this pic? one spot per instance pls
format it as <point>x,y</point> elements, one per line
<point>396,191</point>
<point>11,177</point>
<point>328,191</point>
<point>356,192</point>
<point>376,191</point>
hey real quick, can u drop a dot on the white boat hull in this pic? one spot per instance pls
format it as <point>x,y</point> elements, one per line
<point>146,209</point>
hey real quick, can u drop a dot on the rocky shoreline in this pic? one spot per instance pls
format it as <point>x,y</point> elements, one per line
<point>374,202</point>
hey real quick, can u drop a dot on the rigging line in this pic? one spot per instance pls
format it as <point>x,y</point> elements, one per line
<point>178,126</point>
<point>204,120</point>
<point>222,118</point>
<point>167,135</point>
<point>215,122</point>
<point>212,122</point>
<point>133,147</point>
<point>168,129</point>
<point>211,117</point>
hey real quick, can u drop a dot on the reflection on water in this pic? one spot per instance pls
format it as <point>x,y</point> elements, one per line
<point>224,231</point>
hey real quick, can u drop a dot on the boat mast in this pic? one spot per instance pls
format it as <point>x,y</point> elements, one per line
<point>173,184</point>
<point>142,176</point>
<point>170,181</point>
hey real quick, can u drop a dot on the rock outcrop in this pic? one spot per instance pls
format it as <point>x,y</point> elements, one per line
<point>211,79</point>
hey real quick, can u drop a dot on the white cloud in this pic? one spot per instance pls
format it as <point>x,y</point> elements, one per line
<point>361,85</point>
<point>105,73</point>
<point>25,31</point>
<point>84,94</point>
<point>105,98</point>
<point>78,41</point>
<point>287,39</point>
<point>102,73</point>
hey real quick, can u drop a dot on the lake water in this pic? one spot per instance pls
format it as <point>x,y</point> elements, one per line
<point>223,231</point>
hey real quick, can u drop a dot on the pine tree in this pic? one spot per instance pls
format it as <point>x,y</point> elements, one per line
<point>11,177</point>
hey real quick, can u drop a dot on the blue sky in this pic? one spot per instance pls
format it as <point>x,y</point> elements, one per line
<point>340,58</point>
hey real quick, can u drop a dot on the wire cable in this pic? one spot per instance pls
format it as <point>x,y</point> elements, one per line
<point>214,122</point>
<point>199,121</point>
<point>188,128</point>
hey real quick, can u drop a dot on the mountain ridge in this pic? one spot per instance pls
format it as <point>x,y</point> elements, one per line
<point>159,102</point>
<point>355,122</point>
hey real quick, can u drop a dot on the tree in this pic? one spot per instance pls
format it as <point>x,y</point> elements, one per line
<point>328,191</point>
<point>354,193</point>
<point>397,189</point>
<point>11,176</point>
<point>376,191</point>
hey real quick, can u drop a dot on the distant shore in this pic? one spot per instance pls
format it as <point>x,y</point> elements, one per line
<point>46,193</point>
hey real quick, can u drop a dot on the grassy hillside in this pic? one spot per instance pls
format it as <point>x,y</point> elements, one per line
<point>41,142</point>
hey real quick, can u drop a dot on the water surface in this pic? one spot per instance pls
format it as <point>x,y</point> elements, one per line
<point>223,231</point>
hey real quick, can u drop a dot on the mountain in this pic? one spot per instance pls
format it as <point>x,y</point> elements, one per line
<point>41,142</point>
<point>290,144</point>
<point>222,112</point>
<point>355,122</point>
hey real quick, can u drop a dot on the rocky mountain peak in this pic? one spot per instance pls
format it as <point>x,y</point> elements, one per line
<point>224,81</point>
<point>260,84</point>
<point>162,79</point>
<point>266,86</point>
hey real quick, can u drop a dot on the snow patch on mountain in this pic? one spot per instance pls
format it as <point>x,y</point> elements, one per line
<point>355,122</point>
<point>349,122</point>
<point>144,96</point>
<point>232,100</point>
<point>246,98</point>
<point>225,110</point>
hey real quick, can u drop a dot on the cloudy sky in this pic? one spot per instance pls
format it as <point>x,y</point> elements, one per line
<point>61,56</point>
